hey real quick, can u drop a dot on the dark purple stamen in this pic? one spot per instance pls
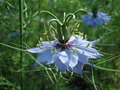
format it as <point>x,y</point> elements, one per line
<point>62,45</point>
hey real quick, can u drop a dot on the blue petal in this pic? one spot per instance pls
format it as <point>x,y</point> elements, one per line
<point>92,43</point>
<point>83,43</point>
<point>102,14</point>
<point>78,68</point>
<point>63,56</point>
<point>75,40</point>
<point>47,44</point>
<point>99,21</point>
<point>53,58</point>
<point>14,34</point>
<point>72,40</point>
<point>101,18</point>
<point>83,59</point>
<point>73,57</point>
<point>105,19</point>
<point>44,57</point>
<point>89,21</point>
<point>60,65</point>
<point>89,52</point>
<point>35,50</point>
<point>87,16</point>
<point>68,58</point>
<point>78,40</point>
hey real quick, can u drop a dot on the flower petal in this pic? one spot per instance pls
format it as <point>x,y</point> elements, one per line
<point>78,68</point>
<point>35,50</point>
<point>68,58</point>
<point>83,59</point>
<point>72,40</point>
<point>101,18</point>
<point>92,43</point>
<point>78,40</point>
<point>73,59</point>
<point>60,65</point>
<point>53,58</point>
<point>63,56</point>
<point>89,52</point>
<point>46,56</point>
<point>47,44</point>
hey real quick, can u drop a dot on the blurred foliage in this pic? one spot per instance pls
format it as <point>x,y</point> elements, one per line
<point>48,78</point>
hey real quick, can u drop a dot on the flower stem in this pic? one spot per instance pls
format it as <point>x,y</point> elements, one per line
<point>21,42</point>
<point>57,84</point>
<point>93,80</point>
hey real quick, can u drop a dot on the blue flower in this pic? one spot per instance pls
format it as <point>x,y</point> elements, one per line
<point>14,34</point>
<point>67,55</point>
<point>95,19</point>
<point>1,0</point>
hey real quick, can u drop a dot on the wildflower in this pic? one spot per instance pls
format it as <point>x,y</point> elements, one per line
<point>95,19</point>
<point>71,54</point>
<point>1,0</point>
<point>14,34</point>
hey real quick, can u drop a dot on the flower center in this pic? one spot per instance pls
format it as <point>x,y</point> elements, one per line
<point>94,14</point>
<point>62,45</point>
<point>95,11</point>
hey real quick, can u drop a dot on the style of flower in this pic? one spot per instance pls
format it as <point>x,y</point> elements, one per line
<point>95,19</point>
<point>71,54</point>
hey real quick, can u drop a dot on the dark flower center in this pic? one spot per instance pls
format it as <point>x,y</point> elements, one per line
<point>94,14</point>
<point>62,45</point>
<point>94,11</point>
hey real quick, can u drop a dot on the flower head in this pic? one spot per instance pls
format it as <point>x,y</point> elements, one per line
<point>1,0</point>
<point>95,19</point>
<point>71,54</point>
<point>14,34</point>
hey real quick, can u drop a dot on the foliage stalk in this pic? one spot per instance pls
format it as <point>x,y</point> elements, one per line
<point>21,42</point>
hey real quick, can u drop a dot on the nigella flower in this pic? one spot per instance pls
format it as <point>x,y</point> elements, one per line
<point>71,54</point>
<point>1,0</point>
<point>95,19</point>
<point>14,34</point>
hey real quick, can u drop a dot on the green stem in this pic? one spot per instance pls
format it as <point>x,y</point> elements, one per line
<point>50,14</point>
<point>93,80</point>
<point>69,17</point>
<point>57,84</point>
<point>80,10</point>
<point>106,69</point>
<point>21,41</point>
<point>64,32</point>
<point>6,45</point>
<point>59,25</point>
<point>60,34</point>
